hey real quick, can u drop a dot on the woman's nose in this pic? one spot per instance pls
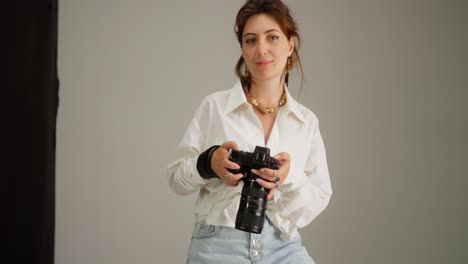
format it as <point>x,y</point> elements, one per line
<point>262,48</point>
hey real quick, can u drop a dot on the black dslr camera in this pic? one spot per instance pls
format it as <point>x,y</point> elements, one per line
<point>251,213</point>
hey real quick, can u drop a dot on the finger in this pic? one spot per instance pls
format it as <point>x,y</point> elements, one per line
<point>231,165</point>
<point>237,177</point>
<point>220,154</point>
<point>267,174</point>
<point>224,153</point>
<point>230,145</point>
<point>270,194</point>
<point>232,179</point>
<point>283,157</point>
<point>267,184</point>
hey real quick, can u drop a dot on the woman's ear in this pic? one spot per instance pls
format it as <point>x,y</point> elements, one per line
<point>291,46</point>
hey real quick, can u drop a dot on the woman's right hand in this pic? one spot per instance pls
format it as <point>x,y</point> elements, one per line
<point>220,164</point>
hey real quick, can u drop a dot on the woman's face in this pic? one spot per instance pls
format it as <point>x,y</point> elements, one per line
<point>265,48</point>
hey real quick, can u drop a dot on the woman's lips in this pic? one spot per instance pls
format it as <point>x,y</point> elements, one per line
<point>263,63</point>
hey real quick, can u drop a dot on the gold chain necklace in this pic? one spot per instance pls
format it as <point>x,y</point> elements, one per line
<point>264,109</point>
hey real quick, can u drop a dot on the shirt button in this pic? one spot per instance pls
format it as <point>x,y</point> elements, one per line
<point>254,242</point>
<point>255,252</point>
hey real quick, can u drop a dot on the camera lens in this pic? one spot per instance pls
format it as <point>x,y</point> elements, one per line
<point>252,207</point>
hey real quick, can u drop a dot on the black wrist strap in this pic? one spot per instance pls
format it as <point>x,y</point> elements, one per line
<point>204,163</point>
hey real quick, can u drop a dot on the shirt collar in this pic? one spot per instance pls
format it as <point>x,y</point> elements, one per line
<point>292,106</point>
<point>237,99</point>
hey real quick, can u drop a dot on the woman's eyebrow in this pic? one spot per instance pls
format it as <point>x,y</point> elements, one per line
<point>266,32</point>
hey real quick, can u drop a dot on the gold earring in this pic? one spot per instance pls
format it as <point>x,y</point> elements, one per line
<point>289,64</point>
<point>246,72</point>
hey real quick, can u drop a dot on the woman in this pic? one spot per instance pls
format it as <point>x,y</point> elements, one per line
<point>257,111</point>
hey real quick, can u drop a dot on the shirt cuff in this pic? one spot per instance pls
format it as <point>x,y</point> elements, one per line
<point>196,179</point>
<point>204,163</point>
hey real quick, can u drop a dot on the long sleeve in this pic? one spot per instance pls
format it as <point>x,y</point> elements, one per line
<point>183,176</point>
<point>298,203</point>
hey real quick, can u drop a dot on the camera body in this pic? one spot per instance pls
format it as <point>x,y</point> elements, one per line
<point>253,203</point>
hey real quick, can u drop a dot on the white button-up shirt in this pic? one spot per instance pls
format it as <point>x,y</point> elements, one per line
<point>227,116</point>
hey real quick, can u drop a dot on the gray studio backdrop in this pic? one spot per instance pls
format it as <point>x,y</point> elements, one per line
<point>387,79</point>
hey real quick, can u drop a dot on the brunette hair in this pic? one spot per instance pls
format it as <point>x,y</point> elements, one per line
<point>280,12</point>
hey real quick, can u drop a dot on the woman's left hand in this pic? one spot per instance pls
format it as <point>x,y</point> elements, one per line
<point>271,179</point>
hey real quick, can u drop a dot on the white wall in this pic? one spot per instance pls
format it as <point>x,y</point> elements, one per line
<point>386,78</point>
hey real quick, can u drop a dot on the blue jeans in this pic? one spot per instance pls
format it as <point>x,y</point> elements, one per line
<point>216,244</point>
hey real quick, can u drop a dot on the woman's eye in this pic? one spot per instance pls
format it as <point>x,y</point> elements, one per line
<point>250,41</point>
<point>274,37</point>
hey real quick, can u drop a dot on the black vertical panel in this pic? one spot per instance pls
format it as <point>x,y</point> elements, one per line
<point>29,104</point>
